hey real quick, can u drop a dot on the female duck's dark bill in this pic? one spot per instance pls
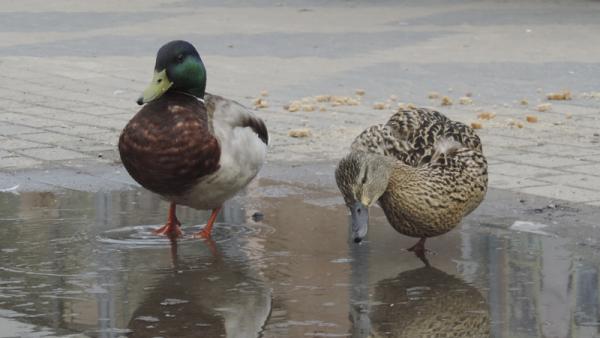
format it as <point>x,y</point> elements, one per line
<point>360,221</point>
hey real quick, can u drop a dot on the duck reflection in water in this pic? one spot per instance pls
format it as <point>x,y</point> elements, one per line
<point>427,302</point>
<point>215,295</point>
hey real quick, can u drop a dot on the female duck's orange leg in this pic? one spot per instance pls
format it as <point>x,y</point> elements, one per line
<point>171,228</point>
<point>205,233</point>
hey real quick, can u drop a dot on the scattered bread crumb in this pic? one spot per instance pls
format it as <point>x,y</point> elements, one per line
<point>476,125</point>
<point>379,105</point>
<point>486,115</point>
<point>512,123</point>
<point>446,101</point>
<point>524,102</point>
<point>544,107</point>
<point>560,96</point>
<point>301,132</point>
<point>360,92</point>
<point>308,107</point>
<point>393,98</point>
<point>433,95</point>
<point>294,106</point>
<point>322,98</point>
<point>260,103</point>
<point>465,100</point>
<point>402,106</point>
<point>352,102</point>
<point>568,116</point>
<point>264,93</point>
<point>531,118</point>
<point>311,103</point>
<point>343,101</point>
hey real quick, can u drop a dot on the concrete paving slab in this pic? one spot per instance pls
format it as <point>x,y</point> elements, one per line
<point>545,161</point>
<point>18,144</point>
<point>561,192</point>
<point>18,162</point>
<point>574,180</point>
<point>7,129</point>
<point>522,171</point>
<point>52,154</point>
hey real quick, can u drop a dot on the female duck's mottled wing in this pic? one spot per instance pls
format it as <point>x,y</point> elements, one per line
<point>167,146</point>
<point>410,135</point>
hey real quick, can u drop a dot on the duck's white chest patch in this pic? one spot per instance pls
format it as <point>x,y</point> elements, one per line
<point>242,156</point>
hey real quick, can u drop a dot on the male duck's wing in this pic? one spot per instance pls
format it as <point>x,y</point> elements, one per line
<point>167,146</point>
<point>225,111</point>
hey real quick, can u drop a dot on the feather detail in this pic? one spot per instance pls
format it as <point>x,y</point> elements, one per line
<point>238,115</point>
<point>444,146</point>
<point>167,147</point>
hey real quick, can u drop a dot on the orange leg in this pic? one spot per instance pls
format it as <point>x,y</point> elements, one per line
<point>205,233</point>
<point>171,228</point>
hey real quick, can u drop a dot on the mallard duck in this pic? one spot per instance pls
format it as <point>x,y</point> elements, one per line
<point>190,147</point>
<point>426,172</point>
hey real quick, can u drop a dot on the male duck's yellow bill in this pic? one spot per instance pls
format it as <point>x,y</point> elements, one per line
<point>159,85</point>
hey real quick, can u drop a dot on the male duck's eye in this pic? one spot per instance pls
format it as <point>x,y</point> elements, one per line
<point>179,57</point>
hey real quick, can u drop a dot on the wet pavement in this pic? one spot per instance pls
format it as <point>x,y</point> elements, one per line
<point>280,265</point>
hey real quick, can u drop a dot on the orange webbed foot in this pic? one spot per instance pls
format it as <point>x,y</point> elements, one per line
<point>172,227</point>
<point>205,233</point>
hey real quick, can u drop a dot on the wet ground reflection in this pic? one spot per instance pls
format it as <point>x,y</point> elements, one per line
<point>75,262</point>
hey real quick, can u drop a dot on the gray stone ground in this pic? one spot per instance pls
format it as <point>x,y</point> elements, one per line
<point>71,71</point>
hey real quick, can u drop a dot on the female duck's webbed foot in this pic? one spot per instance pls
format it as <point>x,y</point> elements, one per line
<point>171,228</point>
<point>205,233</point>
<point>419,250</point>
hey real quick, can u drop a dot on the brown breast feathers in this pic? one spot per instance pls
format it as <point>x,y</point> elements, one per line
<point>167,145</point>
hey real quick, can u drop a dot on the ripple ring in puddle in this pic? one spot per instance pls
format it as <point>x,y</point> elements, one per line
<point>143,235</point>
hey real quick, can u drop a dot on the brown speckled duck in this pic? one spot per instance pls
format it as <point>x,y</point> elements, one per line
<point>188,146</point>
<point>426,172</point>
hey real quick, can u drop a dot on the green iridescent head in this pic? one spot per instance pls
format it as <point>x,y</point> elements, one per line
<point>178,67</point>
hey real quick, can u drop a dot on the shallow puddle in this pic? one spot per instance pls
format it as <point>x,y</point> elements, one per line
<point>281,265</point>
